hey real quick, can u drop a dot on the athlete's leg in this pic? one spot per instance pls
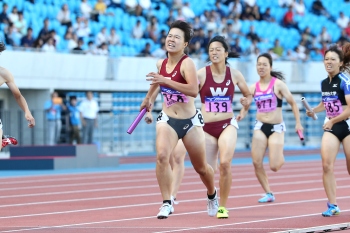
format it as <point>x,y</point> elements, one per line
<point>275,144</point>
<point>177,163</point>
<point>259,145</point>
<point>194,143</point>
<point>346,147</point>
<point>1,133</point>
<point>166,141</point>
<point>329,150</point>
<point>227,145</point>
<point>211,150</point>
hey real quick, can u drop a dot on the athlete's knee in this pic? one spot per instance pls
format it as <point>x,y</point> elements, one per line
<point>162,157</point>
<point>258,164</point>
<point>225,167</point>
<point>201,170</point>
<point>327,167</point>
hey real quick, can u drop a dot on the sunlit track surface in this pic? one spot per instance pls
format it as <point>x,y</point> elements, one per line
<point>128,201</point>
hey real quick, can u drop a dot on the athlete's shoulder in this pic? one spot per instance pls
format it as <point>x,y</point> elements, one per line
<point>5,74</point>
<point>159,63</point>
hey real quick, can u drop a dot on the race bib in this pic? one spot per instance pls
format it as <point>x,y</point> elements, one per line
<point>218,104</point>
<point>265,103</point>
<point>332,105</point>
<point>172,96</point>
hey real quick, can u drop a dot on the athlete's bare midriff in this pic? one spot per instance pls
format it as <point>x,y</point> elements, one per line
<point>181,110</point>
<point>274,117</point>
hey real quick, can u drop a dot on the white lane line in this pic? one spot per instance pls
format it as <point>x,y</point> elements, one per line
<point>191,213</point>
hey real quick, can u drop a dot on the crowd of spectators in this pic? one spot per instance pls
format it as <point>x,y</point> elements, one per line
<point>224,19</point>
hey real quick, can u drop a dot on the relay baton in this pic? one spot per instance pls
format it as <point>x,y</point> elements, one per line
<point>307,106</point>
<point>136,121</point>
<point>300,133</point>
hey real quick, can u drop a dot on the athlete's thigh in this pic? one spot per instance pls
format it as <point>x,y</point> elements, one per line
<point>211,150</point>
<point>227,143</point>
<point>194,142</point>
<point>329,148</point>
<point>346,147</point>
<point>179,152</point>
<point>166,139</point>
<point>275,144</point>
<point>259,145</point>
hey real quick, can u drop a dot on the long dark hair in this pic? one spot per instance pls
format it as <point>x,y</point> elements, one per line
<point>343,54</point>
<point>273,73</point>
<point>223,41</point>
<point>2,46</point>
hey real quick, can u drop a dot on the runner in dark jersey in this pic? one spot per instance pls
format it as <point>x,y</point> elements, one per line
<point>335,101</point>
<point>7,77</point>
<point>179,119</point>
<point>217,85</point>
<point>269,126</point>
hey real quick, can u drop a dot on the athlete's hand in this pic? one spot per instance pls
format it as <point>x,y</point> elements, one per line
<point>298,126</point>
<point>328,125</point>
<point>156,78</point>
<point>244,101</point>
<point>149,118</point>
<point>30,119</point>
<point>310,113</point>
<point>146,103</point>
<point>241,115</point>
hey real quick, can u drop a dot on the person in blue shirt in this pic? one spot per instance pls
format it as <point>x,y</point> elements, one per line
<point>74,121</point>
<point>53,109</point>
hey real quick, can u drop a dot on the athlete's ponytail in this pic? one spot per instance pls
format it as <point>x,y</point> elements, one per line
<point>222,40</point>
<point>2,46</point>
<point>273,73</point>
<point>346,61</point>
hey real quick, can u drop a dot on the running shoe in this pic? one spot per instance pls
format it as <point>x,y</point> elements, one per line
<point>332,210</point>
<point>173,201</point>
<point>268,197</point>
<point>222,212</point>
<point>8,140</point>
<point>213,205</point>
<point>165,211</point>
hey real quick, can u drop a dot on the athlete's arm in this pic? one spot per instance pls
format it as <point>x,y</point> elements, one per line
<point>154,88</point>
<point>22,103</point>
<point>188,71</point>
<point>201,73</point>
<point>283,89</point>
<point>241,83</point>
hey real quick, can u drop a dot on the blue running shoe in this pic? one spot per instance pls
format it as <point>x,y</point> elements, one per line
<point>269,197</point>
<point>332,210</point>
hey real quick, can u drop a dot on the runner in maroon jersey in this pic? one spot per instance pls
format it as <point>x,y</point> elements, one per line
<point>217,85</point>
<point>179,119</point>
<point>269,125</point>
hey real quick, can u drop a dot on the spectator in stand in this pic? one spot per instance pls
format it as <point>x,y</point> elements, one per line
<point>91,48</point>
<point>21,24</point>
<point>196,25</point>
<point>101,37</point>
<point>343,37</point>
<point>115,3</point>
<point>13,16</point>
<point>324,36</point>
<point>180,15</point>
<point>205,17</point>
<point>85,9</point>
<point>235,7</point>
<point>81,27</point>
<point>113,38</point>
<point>343,20</point>
<point>211,25</point>
<point>288,19</point>
<point>252,34</point>
<point>236,27</point>
<point>205,42</point>
<point>3,15</point>
<point>145,5</point>
<point>79,48</point>
<point>137,31</point>
<point>63,16</point>
<point>273,54</point>
<point>72,40</point>
<point>266,16</point>
<point>285,3</point>
<point>291,56</point>
<point>299,7</point>
<point>88,116</point>
<point>307,37</point>
<point>247,13</point>
<point>103,50</point>
<point>49,46</point>
<point>255,13</point>
<point>347,29</point>
<point>152,32</point>
<point>249,3</point>
<point>318,9</point>
<point>324,48</point>
<point>219,10</point>
<point>236,46</point>
<point>12,37</point>
<point>130,6</point>
<point>56,38</point>
<point>28,40</point>
<point>44,33</point>
<point>277,48</point>
<point>160,53</point>
<point>197,40</point>
<point>38,43</point>
<point>177,4</point>
<point>188,12</point>
<point>170,18</point>
<point>146,52</point>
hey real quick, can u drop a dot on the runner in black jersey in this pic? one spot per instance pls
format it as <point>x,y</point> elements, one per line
<point>335,100</point>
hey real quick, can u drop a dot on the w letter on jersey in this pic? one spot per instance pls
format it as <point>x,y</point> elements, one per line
<point>218,91</point>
